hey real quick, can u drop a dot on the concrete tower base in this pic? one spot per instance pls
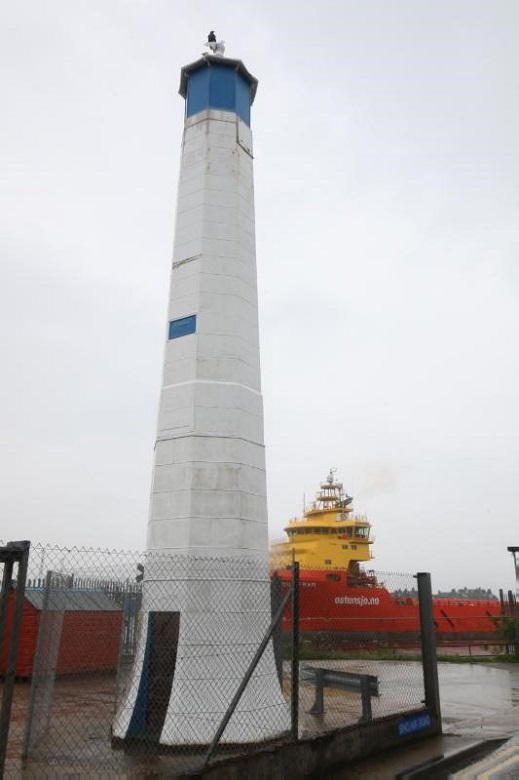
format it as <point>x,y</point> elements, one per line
<point>178,694</point>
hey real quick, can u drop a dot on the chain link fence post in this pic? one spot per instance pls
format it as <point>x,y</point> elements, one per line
<point>45,661</point>
<point>295,652</point>
<point>428,641</point>
<point>252,666</point>
<point>276,596</point>
<point>14,552</point>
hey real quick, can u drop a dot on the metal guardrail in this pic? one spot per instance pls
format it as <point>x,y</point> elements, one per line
<point>365,684</point>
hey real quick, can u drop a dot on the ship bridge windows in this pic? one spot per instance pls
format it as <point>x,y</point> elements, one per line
<point>362,531</point>
<point>317,530</point>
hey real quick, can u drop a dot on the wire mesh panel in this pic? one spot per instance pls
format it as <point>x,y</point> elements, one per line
<point>135,677</point>
<point>130,675</point>
<point>360,653</point>
<point>73,619</point>
<point>201,624</point>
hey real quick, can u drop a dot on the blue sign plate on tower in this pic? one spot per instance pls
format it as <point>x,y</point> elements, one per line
<point>412,725</point>
<point>182,327</point>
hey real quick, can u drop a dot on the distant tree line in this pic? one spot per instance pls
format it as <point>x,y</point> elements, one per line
<point>471,594</point>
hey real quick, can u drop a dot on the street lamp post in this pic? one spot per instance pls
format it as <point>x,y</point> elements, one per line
<point>513,606</point>
<point>514,551</point>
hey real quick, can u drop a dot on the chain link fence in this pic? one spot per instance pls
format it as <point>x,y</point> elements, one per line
<point>357,637</point>
<point>196,661</point>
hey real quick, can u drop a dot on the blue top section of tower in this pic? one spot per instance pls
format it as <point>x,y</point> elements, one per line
<point>218,82</point>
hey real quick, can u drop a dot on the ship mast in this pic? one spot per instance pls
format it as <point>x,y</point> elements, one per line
<point>332,494</point>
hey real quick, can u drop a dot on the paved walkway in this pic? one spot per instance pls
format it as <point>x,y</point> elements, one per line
<point>480,706</point>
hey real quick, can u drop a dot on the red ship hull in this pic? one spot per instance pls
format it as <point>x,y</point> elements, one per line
<point>372,612</point>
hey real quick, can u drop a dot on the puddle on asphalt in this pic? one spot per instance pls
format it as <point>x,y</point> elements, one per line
<point>479,698</point>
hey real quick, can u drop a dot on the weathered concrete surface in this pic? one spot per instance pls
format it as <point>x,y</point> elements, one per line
<point>314,757</point>
<point>431,759</point>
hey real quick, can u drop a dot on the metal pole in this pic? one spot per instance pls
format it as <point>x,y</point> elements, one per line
<point>4,598</point>
<point>365,691</point>
<point>514,551</point>
<point>277,637</point>
<point>513,612</point>
<point>503,622</point>
<point>41,640</point>
<point>248,674</point>
<point>515,621</point>
<point>428,640</point>
<point>15,551</point>
<point>295,651</point>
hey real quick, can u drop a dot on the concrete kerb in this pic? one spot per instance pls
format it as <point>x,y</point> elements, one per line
<point>442,767</point>
<point>499,760</point>
<point>313,756</point>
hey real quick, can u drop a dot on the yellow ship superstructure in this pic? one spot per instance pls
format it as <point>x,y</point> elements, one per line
<point>330,542</point>
<point>329,536</point>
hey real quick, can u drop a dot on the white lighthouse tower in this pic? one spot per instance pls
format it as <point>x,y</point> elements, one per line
<point>206,590</point>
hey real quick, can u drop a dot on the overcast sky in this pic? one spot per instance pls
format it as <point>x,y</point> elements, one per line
<point>387,201</point>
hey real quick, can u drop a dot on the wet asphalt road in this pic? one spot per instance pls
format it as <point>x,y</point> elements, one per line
<point>479,702</point>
